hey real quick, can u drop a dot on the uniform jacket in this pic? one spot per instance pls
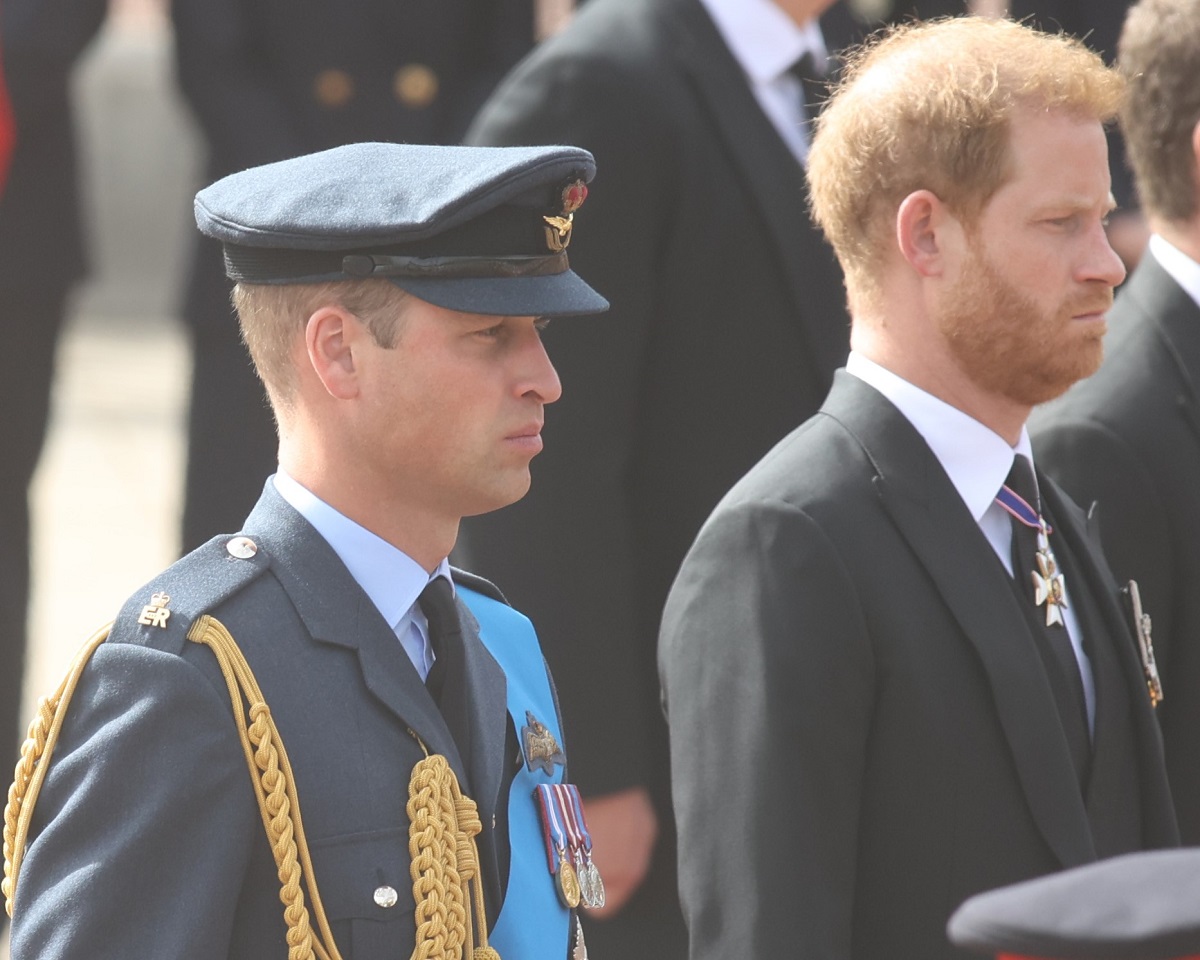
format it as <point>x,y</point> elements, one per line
<point>862,732</point>
<point>148,839</point>
<point>1129,438</point>
<point>726,324</point>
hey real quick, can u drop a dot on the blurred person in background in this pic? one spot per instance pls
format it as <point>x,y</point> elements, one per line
<point>41,258</point>
<point>269,79</point>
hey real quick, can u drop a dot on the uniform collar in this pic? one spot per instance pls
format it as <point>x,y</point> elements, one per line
<point>389,576</point>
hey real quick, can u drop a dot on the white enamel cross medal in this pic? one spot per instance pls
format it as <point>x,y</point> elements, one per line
<point>1049,587</point>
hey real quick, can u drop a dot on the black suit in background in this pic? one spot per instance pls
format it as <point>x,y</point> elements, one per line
<point>1129,438</point>
<point>41,258</point>
<point>270,79</point>
<point>727,321</point>
<point>862,730</point>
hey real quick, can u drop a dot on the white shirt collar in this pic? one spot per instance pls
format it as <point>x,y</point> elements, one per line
<point>976,459</point>
<point>390,577</point>
<point>1183,269</point>
<point>763,39</point>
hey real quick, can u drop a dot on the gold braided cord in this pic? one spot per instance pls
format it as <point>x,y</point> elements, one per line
<point>444,865</point>
<point>31,769</point>
<point>275,788</point>
<point>442,830</point>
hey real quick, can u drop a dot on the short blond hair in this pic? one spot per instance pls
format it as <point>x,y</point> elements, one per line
<point>271,316</point>
<point>928,106</point>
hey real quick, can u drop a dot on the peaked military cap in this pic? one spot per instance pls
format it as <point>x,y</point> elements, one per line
<point>1141,906</point>
<point>475,229</point>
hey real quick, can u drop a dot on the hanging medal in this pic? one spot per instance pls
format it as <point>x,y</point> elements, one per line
<point>562,795</point>
<point>1049,585</point>
<point>566,881</point>
<point>589,876</point>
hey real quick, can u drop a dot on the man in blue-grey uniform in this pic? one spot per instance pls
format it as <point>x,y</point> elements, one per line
<point>291,712</point>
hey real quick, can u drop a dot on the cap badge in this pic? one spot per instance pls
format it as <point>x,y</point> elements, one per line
<point>155,613</point>
<point>558,228</point>
<point>540,747</point>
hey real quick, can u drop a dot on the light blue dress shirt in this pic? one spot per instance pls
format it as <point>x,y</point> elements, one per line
<point>391,578</point>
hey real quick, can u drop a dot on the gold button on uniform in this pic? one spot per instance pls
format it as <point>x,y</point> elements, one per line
<point>386,896</point>
<point>241,547</point>
<point>415,85</point>
<point>333,88</point>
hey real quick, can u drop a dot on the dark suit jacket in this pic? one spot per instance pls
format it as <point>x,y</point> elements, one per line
<point>148,840</point>
<point>1129,438</point>
<point>862,732</point>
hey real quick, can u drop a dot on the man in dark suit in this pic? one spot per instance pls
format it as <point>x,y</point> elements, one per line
<point>1129,437</point>
<point>41,259</point>
<point>726,326</point>
<point>391,297</point>
<point>269,79</point>
<point>895,672</point>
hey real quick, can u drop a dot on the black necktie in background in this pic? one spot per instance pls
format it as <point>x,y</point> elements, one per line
<point>812,83</point>
<point>447,677</point>
<point>1063,665</point>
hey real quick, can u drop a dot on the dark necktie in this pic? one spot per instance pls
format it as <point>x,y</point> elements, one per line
<point>1038,581</point>
<point>812,84</point>
<point>447,677</point>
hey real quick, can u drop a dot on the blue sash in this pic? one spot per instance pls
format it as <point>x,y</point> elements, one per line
<point>533,924</point>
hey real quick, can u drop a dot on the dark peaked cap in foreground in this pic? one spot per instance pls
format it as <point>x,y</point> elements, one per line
<point>1141,906</point>
<point>475,229</point>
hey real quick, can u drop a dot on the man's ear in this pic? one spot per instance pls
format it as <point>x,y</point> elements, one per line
<point>925,232</point>
<point>331,337</point>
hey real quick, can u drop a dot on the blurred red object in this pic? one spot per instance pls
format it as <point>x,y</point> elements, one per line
<point>8,130</point>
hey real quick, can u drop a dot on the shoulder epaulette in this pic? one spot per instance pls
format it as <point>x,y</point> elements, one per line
<point>161,613</point>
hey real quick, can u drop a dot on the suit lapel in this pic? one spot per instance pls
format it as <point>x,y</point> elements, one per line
<point>487,692</point>
<point>968,576</point>
<point>773,176</point>
<point>1083,539</point>
<point>340,613</point>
